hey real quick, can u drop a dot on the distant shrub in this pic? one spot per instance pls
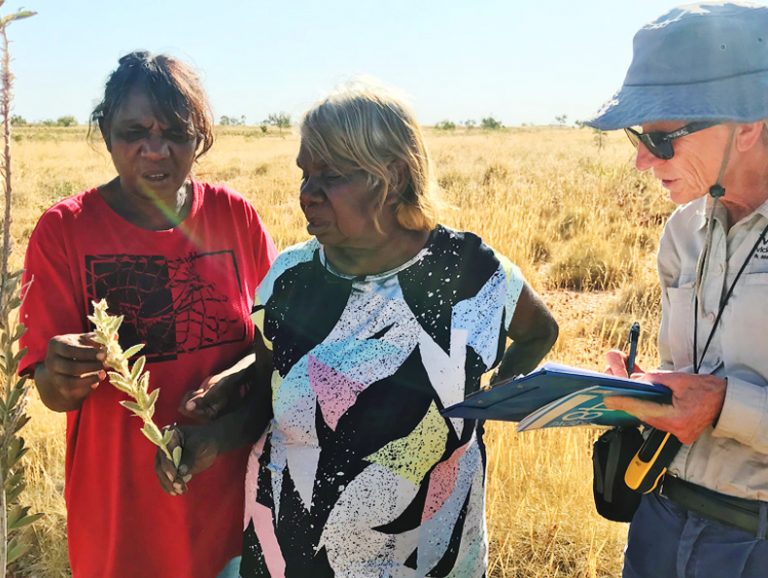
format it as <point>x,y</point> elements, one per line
<point>67,120</point>
<point>490,123</point>
<point>279,119</point>
<point>225,120</point>
<point>445,125</point>
<point>18,120</point>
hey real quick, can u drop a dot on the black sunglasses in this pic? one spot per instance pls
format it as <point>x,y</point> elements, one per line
<point>659,144</point>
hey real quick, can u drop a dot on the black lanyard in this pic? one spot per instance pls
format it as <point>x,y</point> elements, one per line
<point>696,361</point>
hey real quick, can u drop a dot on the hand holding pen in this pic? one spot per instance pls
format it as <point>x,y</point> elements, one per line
<point>659,448</point>
<point>695,404</point>
<point>622,365</point>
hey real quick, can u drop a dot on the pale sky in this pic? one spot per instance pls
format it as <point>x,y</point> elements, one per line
<point>520,61</point>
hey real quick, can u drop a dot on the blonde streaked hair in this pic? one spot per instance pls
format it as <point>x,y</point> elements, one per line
<point>365,126</point>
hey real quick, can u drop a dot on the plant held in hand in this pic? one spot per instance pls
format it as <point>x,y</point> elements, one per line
<point>133,381</point>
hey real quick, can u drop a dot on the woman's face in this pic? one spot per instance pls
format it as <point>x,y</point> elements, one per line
<point>340,209</point>
<point>695,166</point>
<point>152,158</point>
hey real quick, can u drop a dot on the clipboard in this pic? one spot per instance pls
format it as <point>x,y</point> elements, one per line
<point>514,399</point>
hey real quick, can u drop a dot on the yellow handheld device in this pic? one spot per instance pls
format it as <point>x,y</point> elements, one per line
<point>651,461</point>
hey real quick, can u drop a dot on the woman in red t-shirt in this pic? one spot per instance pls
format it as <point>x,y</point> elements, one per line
<point>180,259</point>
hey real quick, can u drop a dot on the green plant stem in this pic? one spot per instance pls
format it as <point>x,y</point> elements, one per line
<point>5,114</point>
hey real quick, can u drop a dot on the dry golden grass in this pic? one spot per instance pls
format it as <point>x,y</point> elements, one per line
<point>580,222</point>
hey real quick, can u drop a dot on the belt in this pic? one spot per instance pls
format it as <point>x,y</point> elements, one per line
<point>737,512</point>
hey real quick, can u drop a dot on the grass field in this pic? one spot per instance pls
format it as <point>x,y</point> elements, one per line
<point>579,221</point>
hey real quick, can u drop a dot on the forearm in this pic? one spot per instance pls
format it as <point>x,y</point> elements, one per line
<point>245,425</point>
<point>533,332</point>
<point>523,355</point>
<point>234,384</point>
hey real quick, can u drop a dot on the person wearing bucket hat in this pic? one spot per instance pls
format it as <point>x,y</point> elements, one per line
<point>694,103</point>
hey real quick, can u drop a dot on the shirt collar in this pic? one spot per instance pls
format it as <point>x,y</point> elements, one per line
<point>702,211</point>
<point>705,204</point>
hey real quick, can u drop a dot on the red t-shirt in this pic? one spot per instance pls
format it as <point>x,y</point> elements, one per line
<point>186,293</point>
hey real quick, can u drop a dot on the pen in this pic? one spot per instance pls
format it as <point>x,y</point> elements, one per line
<point>634,335</point>
<point>659,448</point>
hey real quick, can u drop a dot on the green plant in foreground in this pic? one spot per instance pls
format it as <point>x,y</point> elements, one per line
<point>13,417</point>
<point>133,381</point>
<point>13,389</point>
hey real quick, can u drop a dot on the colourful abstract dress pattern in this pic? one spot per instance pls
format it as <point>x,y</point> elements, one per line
<point>358,474</point>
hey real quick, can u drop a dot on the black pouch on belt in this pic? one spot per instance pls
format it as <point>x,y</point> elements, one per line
<point>611,454</point>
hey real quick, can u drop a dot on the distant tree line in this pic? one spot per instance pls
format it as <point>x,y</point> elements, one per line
<point>487,123</point>
<point>232,120</point>
<point>279,120</point>
<point>68,120</point>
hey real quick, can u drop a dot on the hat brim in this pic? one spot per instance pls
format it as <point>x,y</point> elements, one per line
<point>737,99</point>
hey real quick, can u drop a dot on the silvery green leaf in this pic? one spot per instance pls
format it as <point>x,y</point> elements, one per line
<point>19,517</point>
<point>133,406</point>
<point>133,350</point>
<point>176,456</point>
<point>20,423</point>
<point>12,493</point>
<point>99,339</point>
<point>20,15</point>
<point>115,377</point>
<point>167,436</point>
<point>13,396</point>
<point>17,358</point>
<point>16,550</point>
<point>152,432</point>
<point>152,398</point>
<point>16,482</point>
<point>120,383</point>
<point>15,445</point>
<point>18,331</point>
<point>138,367</point>
<point>144,382</point>
<point>141,396</point>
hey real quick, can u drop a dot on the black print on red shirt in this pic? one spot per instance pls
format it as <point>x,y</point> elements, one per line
<point>173,306</point>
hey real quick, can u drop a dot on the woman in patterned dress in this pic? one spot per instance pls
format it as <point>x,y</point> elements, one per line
<point>367,331</point>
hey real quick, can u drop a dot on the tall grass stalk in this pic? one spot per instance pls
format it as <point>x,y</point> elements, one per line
<point>13,515</point>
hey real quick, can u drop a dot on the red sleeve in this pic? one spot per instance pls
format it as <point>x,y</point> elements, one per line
<point>51,304</point>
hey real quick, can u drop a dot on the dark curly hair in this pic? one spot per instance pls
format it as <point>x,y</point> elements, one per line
<point>174,89</point>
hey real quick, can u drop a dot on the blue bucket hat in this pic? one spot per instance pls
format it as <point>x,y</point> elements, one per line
<point>696,62</point>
